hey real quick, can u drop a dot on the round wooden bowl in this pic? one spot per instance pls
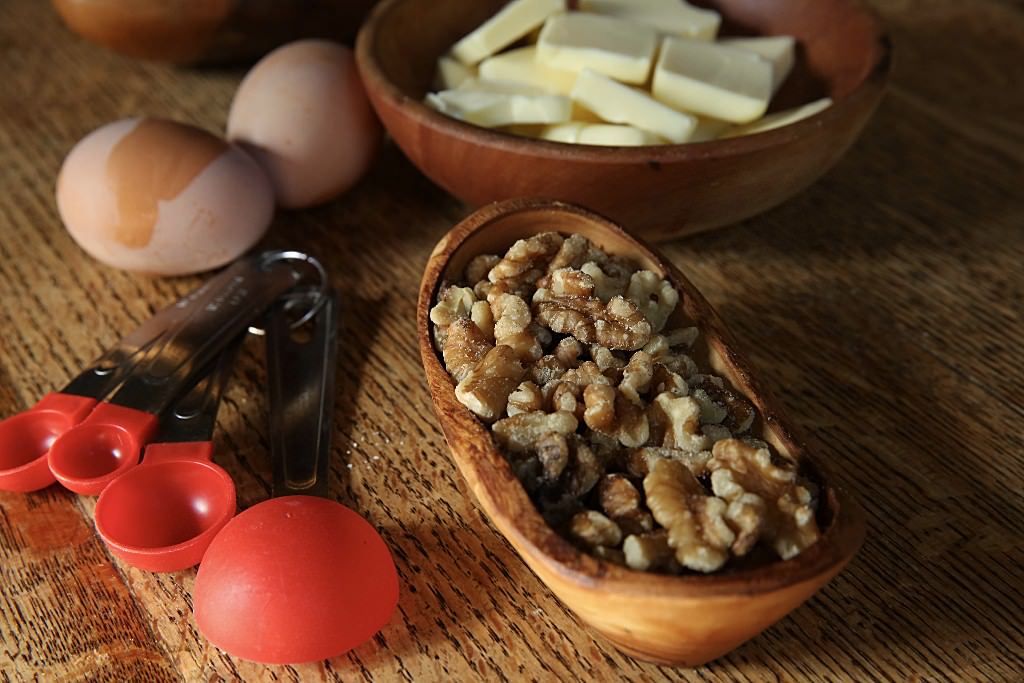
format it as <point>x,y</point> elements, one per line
<point>660,191</point>
<point>682,620</point>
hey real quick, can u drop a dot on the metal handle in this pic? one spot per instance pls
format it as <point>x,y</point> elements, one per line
<point>300,375</point>
<point>107,371</point>
<point>224,309</point>
<point>193,416</point>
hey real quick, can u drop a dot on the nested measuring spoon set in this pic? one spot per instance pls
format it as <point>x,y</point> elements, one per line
<point>296,578</point>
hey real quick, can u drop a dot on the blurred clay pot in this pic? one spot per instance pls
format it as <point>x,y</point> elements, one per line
<point>211,31</point>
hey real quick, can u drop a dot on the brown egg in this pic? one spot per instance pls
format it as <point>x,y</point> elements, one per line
<point>302,113</point>
<point>162,197</point>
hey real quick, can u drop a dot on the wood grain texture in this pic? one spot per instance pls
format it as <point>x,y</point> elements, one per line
<point>883,304</point>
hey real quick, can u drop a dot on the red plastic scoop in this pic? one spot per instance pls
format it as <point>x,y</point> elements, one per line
<point>25,438</point>
<point>107,443</point>
<point>162,515</point>
<point>296,578</point>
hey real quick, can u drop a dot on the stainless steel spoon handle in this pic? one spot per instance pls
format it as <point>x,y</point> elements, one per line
<point>193,416</point>
<point>300,371</point>
<point>216,313</point>
<point>108,371</point>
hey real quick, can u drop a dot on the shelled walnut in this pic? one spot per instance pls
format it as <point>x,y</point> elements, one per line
<point>626,445</point>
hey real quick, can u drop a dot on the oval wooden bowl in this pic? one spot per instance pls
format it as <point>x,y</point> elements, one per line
<point>660,192</point>
<point>683,620</point>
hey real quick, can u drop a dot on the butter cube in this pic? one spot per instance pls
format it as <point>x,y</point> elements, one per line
<point>781,118</point>
<point>616,135</point>
<point>501,87</point>
<point>616,48</point>
<point>563,132</point>
<point>667,16</point>
<point>779,50</point>
<point>451,73</point>
<point>521,65</point>
<point>608,134</point>
<point>712,80</point>
<point>495,103</point>
<point>511,23</point>
<point>618,103</point>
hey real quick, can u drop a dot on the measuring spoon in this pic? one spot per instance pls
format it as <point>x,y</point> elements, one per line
<point>25,438</point>
<point>296,578</point>
<point>106,444</point>
<point>162,515</point>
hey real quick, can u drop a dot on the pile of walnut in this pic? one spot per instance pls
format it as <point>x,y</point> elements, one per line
<point>622,442</point>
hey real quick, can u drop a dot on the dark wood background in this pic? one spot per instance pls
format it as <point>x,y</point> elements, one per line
<point>884,303</point>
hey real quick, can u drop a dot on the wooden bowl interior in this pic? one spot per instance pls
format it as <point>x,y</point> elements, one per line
<point>838,42</point>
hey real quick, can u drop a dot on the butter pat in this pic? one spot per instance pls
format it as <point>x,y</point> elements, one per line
<point>778,50</point>
<point>608,134</point>
<point>618,103</point>
<point>667,16</point>
<point>781,118</point>
<point>492,104</point>
<point>521,65</point>
<point>451,73</point>
<point>616,48</point>
<point>514,21</point>
<point>712,80</point>
<point>563,132</point>
<point>616,135</point>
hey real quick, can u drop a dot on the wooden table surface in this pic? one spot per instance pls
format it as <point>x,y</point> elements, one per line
<point>884,303</point>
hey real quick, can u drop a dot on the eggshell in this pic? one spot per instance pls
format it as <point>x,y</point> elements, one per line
<point>162,197</point>
<point>303,114</point>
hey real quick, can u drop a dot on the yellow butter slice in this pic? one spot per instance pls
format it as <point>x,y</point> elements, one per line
<point>616,48</point>
<point>511,23</point>
<point>616,135</point>
<point>666,16</point>
<point>521,65</point>
<point>618,103</point>
<point>718,81</point>
<point>779,50</point>
<point>496,103</point>
<point>451,73</point>
<point>780,118</point>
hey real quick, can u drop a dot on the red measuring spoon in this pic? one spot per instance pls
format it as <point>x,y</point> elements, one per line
<point>162,515</point>
<point>296,578</point>
<point>106,444</point>
<point>25,438</point>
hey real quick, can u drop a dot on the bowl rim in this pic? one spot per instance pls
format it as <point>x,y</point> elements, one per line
<point>839,541</point>
<point>378,84</point>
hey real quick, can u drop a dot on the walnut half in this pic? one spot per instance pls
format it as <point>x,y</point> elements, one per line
<point>486,388</point>
<point>617,325</point>
<point>697,530</point>
<point>745,476</point>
